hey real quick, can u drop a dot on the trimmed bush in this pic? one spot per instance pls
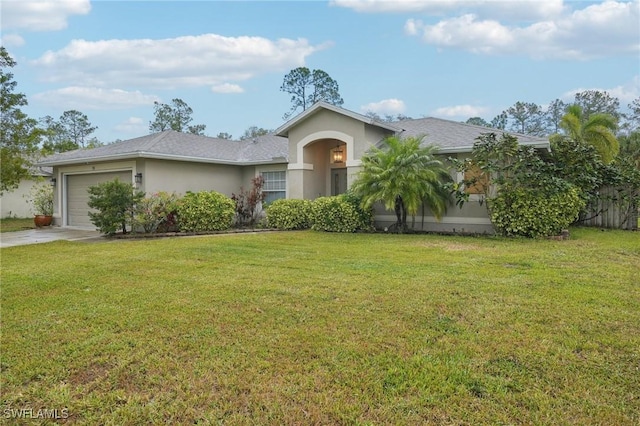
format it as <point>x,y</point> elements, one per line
<point>365,215</point>
<point>334,214</point>
<point>534,213</point>
<point>289,214</point>
<point>205,211</point>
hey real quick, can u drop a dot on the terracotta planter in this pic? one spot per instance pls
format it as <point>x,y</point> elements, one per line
<point>42,220</point>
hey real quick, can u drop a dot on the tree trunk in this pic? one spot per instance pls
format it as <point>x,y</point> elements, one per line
<point>401,214</point>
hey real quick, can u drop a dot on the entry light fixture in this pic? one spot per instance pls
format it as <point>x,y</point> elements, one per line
<point>337,154</point>
<point>53,182</point>
<point>138,178</point>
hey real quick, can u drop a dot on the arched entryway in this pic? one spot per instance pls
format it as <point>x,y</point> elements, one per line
<point>324,169</point>
<point>314,135</point>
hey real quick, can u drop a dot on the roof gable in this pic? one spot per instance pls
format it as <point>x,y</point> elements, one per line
<point>321,105</point>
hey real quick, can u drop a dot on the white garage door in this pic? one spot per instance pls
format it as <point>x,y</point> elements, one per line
<point>78,195</point>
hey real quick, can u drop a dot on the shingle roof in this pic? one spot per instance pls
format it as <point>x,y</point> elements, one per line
<point>182,146</point>
<point>452,136</point>
<point>449,136</point>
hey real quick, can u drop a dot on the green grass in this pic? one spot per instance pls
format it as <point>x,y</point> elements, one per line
<point>16,224</point>
<point>316,328</point>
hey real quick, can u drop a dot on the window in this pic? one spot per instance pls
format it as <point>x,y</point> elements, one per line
<point>275,185</point>
<point>481,182</point>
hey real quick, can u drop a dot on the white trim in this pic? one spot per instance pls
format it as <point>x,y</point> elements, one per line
<point>325,134</point>
<point>65,192</point>
<point>269,169</point>
<point>469,148</point>
<point>157,156</point>
<point>97,168</point>
<point>298,166</point>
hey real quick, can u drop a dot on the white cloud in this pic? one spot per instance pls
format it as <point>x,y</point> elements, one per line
<point>465,111</point>
<point>41,15</point>
<point>538,28</point>
<point>411,27</point>
<point>76,97</point>
<point>133,126</point>
<point>598,30</point>
<point>386,106</point>
<point>397,6</point>
<point>524,10</point>
<point>625,93</point>
<point>227,88</point>
<point>467,33</point>
<point>12,40</point>
<point>189,61</point>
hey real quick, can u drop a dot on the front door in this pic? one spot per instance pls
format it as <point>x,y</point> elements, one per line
<point>338,181</point>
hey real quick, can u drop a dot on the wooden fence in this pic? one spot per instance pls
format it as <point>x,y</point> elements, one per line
<point>615,208</point>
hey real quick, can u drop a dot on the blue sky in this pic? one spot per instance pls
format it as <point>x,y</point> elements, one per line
<point>451,59</point>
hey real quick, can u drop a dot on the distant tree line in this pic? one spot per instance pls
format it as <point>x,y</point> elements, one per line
<point>532,119</point>
<point>593,117</point>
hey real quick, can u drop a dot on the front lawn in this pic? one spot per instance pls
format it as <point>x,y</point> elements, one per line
<point>318,328</point>
<point>11,224</point>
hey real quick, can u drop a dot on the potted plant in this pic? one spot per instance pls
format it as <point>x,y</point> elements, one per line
<point>41,200</point>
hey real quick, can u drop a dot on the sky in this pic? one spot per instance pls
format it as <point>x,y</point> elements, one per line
<point>452,59</point>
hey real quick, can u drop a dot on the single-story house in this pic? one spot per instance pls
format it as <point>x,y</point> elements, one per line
<point>317,153</point>
<point>15,203</point>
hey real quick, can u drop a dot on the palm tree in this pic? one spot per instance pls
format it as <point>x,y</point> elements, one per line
<point>598,130</point>
<point>630,148</point>
<point>404,176</point>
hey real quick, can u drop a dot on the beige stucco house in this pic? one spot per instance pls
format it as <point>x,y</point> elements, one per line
<point>317,153</point>
<point>15,203</point>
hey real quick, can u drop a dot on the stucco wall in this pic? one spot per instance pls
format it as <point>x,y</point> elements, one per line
<point>14,203</point>
<point>182,176</point>
<point>322,121</point>
<point>472,218</point>
<point>310,143</point>
<point>373,135</point>
<point>363,136</point>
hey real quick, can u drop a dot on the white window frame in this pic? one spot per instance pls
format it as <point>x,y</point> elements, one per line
<point>282,181</point>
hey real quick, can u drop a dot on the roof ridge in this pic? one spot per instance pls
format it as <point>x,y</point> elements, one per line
<point>153,141</point>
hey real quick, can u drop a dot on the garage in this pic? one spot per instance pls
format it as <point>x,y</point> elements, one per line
<point>78,195</point>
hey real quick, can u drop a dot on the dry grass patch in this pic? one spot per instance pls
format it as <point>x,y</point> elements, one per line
<point>16,224</point>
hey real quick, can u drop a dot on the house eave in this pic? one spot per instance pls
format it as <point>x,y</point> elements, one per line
<point>464,149</point>
<point>159,156</point>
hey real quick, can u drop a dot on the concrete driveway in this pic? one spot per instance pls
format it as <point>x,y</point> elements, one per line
<point>44,235</point>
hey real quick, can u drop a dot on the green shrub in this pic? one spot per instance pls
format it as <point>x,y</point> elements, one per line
<point>115,203</point>
<point>155,211</point>
<point>365,215</point>
<point>205,211</point>
<point>334,214</point>
<point>287,214</point>
<point>531,212</point>
<point>41,199</point>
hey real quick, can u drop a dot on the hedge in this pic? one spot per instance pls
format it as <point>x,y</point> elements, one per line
<point>205,211</point>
